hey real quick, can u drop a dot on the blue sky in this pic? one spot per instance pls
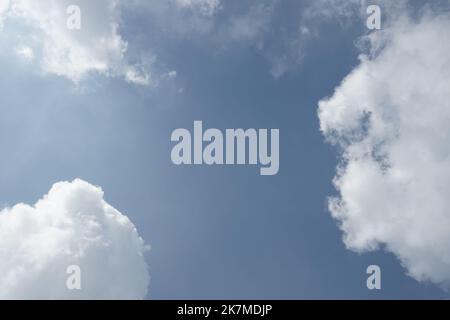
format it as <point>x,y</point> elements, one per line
<point>220,231</point>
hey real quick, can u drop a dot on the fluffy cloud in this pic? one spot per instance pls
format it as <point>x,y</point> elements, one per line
<point>71,225</point>
<point>390,117</point>
<point>96,48</point>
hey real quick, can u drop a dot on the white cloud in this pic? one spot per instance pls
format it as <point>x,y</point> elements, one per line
<point>4,5</point>
<point>391,118</point>
<point>71,225</point>
<point>96,48</point>
<point>100,48</point>
<point>25,52</point>
<point>170,75</point>
<point>133,75</point>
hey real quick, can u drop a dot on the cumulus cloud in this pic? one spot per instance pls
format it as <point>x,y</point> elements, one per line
<point>97,47</point>
<point>390,118</point>
<point>71,225</point>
